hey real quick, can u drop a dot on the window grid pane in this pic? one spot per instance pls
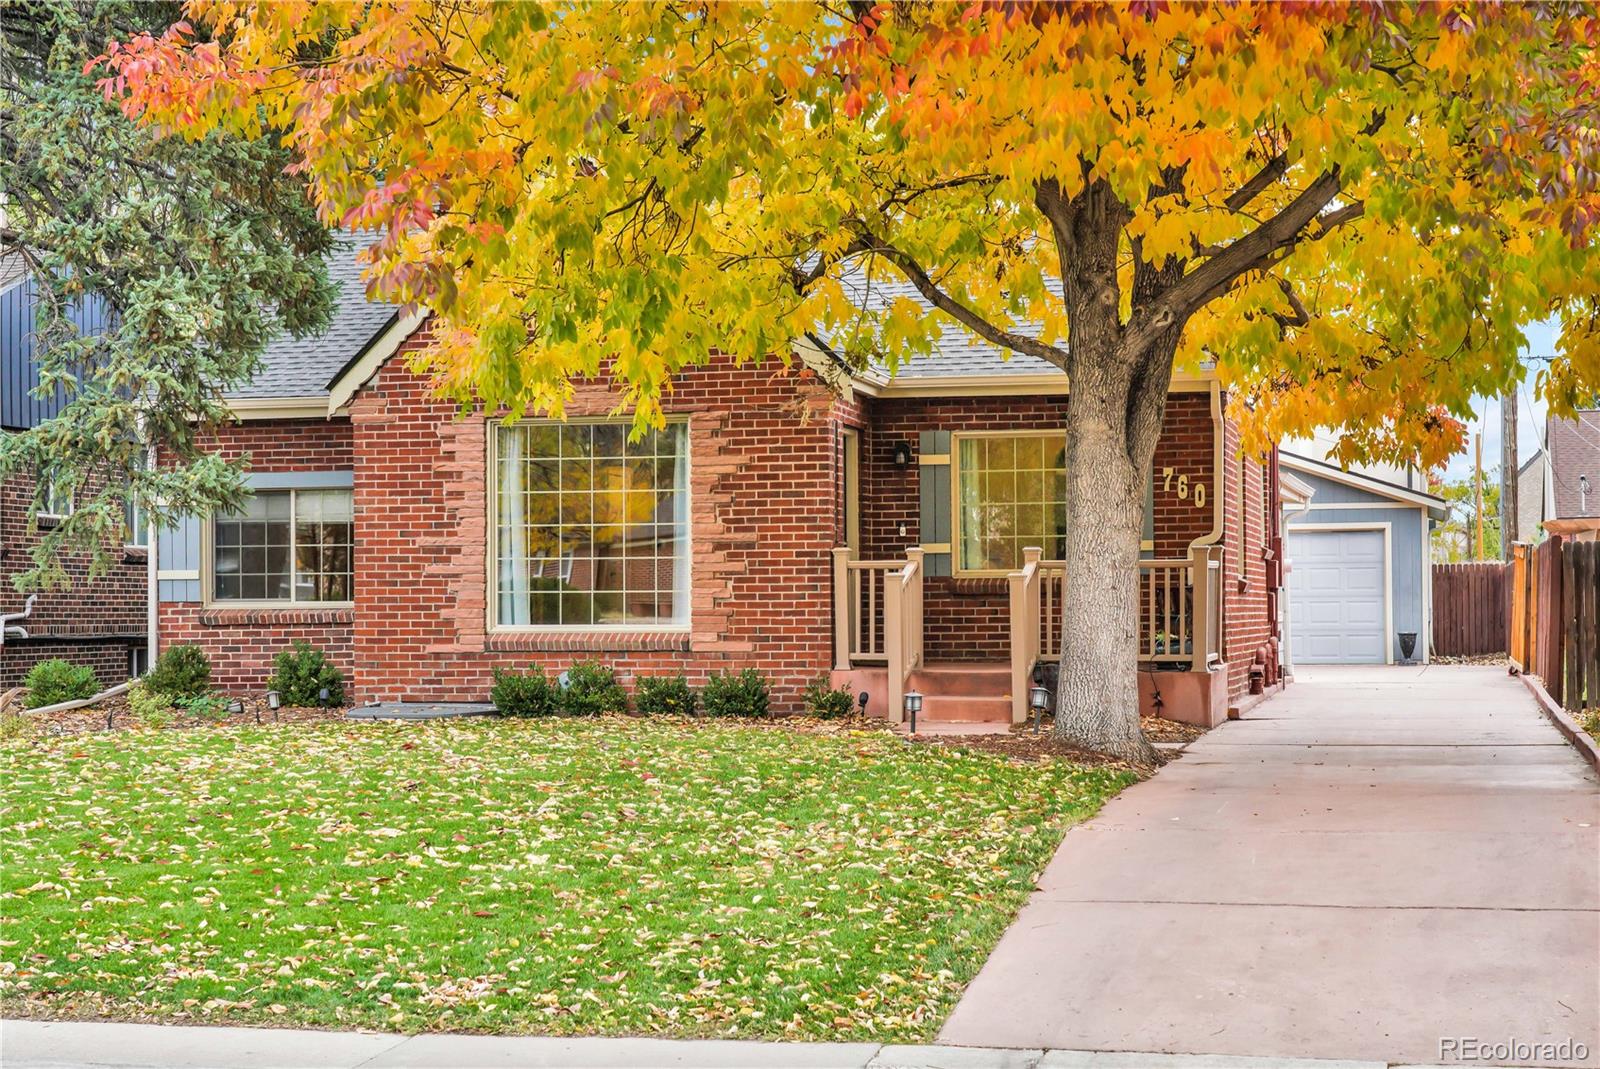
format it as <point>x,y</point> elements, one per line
<point>286,545</point>
<point>591,527</point>
<point>1013,493</point>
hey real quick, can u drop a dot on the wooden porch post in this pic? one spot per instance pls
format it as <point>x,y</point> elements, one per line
<point>1200,630</point>
<point>1024,587</point>
<point>914,554</point>
<point>843,611</point>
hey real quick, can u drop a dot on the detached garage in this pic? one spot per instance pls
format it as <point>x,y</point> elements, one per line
<point>1359,572</point>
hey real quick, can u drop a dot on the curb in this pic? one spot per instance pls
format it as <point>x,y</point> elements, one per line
<point>112,1045</point>
<point>1580,739</point>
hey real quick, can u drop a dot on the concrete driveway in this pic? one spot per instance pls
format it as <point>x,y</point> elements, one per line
<point>1373,863</point>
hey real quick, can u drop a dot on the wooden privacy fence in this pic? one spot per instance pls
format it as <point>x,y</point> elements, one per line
<point>1555,618</point>
<point>1469,609</point>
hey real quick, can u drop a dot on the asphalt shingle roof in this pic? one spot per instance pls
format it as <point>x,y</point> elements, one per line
<point>956,352</point>
<point>303,367</point>
<point>1574,446</point>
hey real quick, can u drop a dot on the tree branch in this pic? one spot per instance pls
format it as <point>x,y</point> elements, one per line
<point>1241,197</point>
<point>941,300</point>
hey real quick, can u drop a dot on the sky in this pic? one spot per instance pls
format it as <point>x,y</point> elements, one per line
<point>1530,412</point>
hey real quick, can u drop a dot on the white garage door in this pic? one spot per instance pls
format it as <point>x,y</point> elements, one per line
<point>1336,597</point>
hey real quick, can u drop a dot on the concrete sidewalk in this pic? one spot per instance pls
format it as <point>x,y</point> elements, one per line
<point>1374,863</point>
<point>75,1045</point>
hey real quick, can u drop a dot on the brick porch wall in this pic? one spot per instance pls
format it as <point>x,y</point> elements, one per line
<point>242,642</point>
<point>968,619</point>
<point>764,490</point>
<point>90,621</point>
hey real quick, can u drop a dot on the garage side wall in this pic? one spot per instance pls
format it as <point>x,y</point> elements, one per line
<point>1356,509</point>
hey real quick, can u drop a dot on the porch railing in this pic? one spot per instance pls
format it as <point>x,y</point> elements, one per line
<point>1180,614</point>
<point>878,617</point>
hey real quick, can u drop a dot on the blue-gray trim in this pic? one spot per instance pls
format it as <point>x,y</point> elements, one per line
<point>300,480</point>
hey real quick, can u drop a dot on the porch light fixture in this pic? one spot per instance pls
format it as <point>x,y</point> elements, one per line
<point>902,455</point>
<point>913,705</point>
<point>1038,698</point>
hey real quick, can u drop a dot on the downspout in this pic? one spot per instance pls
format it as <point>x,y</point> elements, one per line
<point>1285,620</point>
<point>152,613</point>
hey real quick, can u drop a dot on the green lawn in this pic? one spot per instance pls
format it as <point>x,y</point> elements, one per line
<point>562,877</point>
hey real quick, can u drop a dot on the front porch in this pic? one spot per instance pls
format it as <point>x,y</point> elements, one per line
<point>883,618</point>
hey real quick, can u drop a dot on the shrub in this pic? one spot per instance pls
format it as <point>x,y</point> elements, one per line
<point>55,680</point>
<point>181,671</point>
<point>826,702</point>
<point>516,694</point>
<point>301,672</point>
<point>742,694</point>
<point>205,706</point>
<point>14,725</point>
<point>153,709</point>
<point>591,689</point>
<point>664,696</point>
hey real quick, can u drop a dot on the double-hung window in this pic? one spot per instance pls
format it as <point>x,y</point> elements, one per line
<point>286,546</point>
<point>1011,492</point>
<point>591,529</point>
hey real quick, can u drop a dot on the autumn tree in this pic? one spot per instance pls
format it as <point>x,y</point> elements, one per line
<point>1349,209</point>
<point>199,251</point>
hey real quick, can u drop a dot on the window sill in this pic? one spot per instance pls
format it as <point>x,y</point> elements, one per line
<point>585,641</point>
<point>135,554</point>
<point>218,616</point>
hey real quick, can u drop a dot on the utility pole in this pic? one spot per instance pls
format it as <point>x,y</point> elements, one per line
<point>1477,492</point>
<point>1508,471</point>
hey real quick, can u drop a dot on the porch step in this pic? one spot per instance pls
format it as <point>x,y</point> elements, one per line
<point>956,680</point>
<point>944,708</point>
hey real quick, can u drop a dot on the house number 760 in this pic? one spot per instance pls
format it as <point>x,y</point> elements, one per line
<point>1199,496</point>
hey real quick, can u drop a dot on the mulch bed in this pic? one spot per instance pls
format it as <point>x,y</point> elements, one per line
<point>1479,658</point>
<point>94,717</point>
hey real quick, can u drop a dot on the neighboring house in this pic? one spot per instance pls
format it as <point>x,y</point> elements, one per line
<point>1572,498</point>
<point>99,622</point>
<point>873,529</point>
<point>1532,476</point>
<point>1360,573</point>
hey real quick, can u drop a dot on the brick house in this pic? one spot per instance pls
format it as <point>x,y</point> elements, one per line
<point>98,622</point>
<point>873,529</point>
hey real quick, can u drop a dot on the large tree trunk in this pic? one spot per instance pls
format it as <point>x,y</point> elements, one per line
<point>1097,702</point>
<point>1115,405</point>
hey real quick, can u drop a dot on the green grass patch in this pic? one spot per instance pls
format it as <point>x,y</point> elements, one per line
<point>570,877</point>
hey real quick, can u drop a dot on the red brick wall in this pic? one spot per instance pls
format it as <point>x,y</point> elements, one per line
<point>764,475</point>
<point>242,642</point>
<point>89,621</point>
<point>968,619</point>
<point>1249,523</point>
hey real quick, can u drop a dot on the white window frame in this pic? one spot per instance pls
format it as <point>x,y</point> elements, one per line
<point>492,534</point>
<point>52,497</point>
<point>208,558</point>
<point>956,509</point>
<point>136,519</point>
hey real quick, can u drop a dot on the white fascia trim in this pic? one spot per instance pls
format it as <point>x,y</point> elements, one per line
<point>343,388</point>
<point>1031,384</point>
<point>314,406</point>
<point>1360,482</point>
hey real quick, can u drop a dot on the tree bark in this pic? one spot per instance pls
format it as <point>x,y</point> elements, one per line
<point>1115,403</point>
<point>1097,701</point>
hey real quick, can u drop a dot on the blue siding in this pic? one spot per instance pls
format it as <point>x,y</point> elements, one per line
<point>19,367</point>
